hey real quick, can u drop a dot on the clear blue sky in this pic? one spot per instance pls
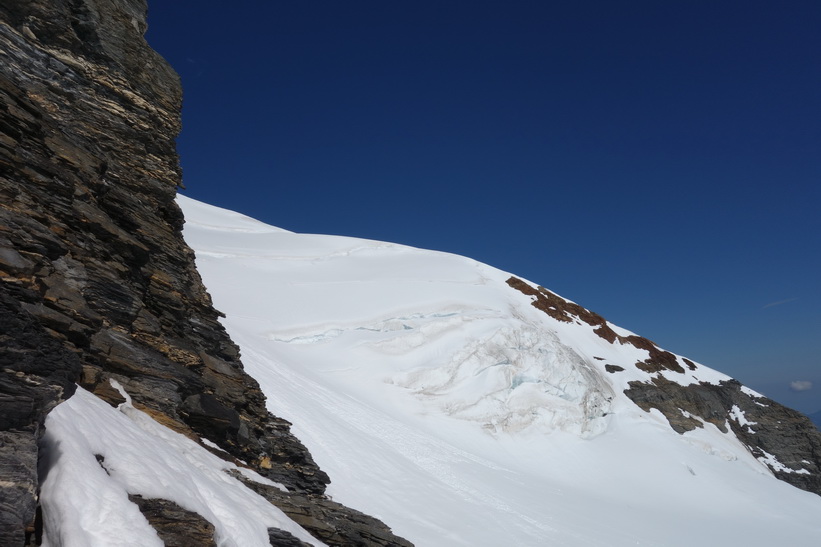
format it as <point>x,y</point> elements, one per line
<point>656,162</point>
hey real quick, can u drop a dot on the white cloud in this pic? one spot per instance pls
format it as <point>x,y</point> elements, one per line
<point>800,385</point>
<point>778,303</point>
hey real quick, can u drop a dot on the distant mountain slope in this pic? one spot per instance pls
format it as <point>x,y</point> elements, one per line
<point>465,406</point>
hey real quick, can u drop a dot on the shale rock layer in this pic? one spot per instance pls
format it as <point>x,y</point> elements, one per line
<point>96,282</point>
<point>781,438</point>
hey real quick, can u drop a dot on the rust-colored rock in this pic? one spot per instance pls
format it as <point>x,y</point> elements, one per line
<point>779,431</point>
<point>563,310</point>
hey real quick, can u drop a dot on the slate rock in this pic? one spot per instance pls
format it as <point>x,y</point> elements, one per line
<point>177,527</point>
<point>36,373</point>
<point>766,428</point>
<point>92,260</point>
<point>782,438</point>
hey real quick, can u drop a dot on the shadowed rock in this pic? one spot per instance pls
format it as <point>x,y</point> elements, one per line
<point>36,373</point>
<point>93,266</point>
<point>326,520</point>
<point>281,538</point>
<point>783,439</point>
<point>177,527</point>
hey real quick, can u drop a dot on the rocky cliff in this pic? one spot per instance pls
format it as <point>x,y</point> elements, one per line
<point>96,283</point>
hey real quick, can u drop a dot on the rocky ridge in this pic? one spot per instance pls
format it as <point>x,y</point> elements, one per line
<point>785,440</point>
<point>96,282</point>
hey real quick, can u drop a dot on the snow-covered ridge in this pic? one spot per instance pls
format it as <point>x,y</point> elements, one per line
<point>441,400</point>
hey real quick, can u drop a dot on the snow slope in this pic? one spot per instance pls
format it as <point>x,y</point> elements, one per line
<point>440,401</point>
<point>99,455</point>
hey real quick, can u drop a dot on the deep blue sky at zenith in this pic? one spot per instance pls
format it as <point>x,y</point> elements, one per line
<point>656,162</point>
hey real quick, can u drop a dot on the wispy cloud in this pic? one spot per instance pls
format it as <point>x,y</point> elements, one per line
<point>778,303</point>
<point>800,385</point>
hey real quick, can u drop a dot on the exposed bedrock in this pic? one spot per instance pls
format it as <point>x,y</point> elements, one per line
<point>93,268</point>
<point>783,439</point>
<point>326,520</point>
<point>177,527</point>
<point>779,437</point>
<point>38,372</point>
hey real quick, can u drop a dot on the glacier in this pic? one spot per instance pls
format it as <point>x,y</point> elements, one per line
<point>441,401</point>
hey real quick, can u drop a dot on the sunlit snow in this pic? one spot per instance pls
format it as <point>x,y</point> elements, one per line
<point>97,455</point>
<point>439,400</point>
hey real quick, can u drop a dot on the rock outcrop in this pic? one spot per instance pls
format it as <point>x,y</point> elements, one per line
<point>327,520</point>
<point>786,441</point>
<point>781,438</point>
<point>176,526</point>
<point>38,372</point>
<point>816,418</point>
<point>96,282</point>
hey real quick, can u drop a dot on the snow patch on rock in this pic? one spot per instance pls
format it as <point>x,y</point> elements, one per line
<point>96,455</point>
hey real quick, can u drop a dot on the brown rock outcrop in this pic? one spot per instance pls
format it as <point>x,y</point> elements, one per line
<point>781,438</point>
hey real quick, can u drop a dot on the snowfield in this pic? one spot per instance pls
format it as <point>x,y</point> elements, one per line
<point>439,400</point>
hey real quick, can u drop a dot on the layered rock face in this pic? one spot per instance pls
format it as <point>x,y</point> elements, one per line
<point>783,439</point>
<point>96,282</point>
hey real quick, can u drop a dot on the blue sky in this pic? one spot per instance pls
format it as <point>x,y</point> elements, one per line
<point>656,162</point>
